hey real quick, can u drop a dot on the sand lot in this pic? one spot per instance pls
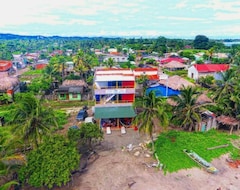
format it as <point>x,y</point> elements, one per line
<point>116,169</point>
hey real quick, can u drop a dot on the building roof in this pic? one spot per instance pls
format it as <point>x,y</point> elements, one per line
<point>211,67</point>
<point>114,77</point>
<point>174,65</point>
<point>203,98</point>
<point>175,82</point>
<point>227,120</point>
<point>169,59</point>
<point>114,112</point>
<point>74,83</point>
<point>5,65</point>
<point>8,83</point>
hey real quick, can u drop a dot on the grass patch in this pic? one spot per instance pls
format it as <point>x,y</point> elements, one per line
<point>69,104</point>
<point>61,117</point>
<point>32,72</point>
<point>169,148</point>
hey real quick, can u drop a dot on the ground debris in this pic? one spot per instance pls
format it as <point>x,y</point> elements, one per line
<point>131,183</point>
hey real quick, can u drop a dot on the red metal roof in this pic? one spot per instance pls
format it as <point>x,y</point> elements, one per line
<point>40,66</point>
<point>211,67</point>
<point>5,65</point>
<point>169,59</point>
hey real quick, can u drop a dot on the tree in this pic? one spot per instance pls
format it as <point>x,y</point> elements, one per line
<point>153,108</point>
<point>32,120</point>
<point>83,63</point>
<point>201,42</point>
<point>86,134</point>
<point>109,63</point>
<point>187,111</point>
<point>51,163</point>
<point>226,93</point>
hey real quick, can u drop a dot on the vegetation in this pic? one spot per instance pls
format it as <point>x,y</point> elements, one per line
<point>51,163</point>
<point>31,121</point>
<point>152,108</point>
<point>88,133</point>
<point>169,148</point>
<point>187,112</point>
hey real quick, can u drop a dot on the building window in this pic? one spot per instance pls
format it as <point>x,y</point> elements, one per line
<point>62,95</point>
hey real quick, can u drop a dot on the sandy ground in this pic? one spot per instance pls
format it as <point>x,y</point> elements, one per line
<point>118,169</point>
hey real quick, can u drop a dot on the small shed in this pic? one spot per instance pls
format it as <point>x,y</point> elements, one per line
<point>71,90</point>
<point>229,122</point>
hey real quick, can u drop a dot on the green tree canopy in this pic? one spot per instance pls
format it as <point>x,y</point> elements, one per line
<point>201,42</point>
<point>152,108</point>
<point>86,134</point>
<point>51,163</point>
<point>32,120</point>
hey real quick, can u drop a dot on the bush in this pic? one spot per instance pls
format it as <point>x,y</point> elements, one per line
<point>51,164</point>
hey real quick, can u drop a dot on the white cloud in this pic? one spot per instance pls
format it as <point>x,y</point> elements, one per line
<point>181,4</point>
<point>227,16</point>
<point>180,18</point>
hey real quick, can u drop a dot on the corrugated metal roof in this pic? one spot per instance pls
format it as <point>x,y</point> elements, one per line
<point>211,67</point>
<point>114,112</point>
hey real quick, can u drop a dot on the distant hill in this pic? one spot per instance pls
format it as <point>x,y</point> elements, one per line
<point>16,36</point>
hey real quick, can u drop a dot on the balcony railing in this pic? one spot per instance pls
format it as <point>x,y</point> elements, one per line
<point>113,87</point>
<point>113,102</point>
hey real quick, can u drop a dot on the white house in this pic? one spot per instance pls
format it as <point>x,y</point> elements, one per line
<point>202,70</point>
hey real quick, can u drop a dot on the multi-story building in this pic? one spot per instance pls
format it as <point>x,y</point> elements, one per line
<point>114,93</point>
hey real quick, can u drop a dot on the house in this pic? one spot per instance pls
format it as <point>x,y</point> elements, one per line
<point>202,70</point>
<point>152,76</point>
<point>116,58</point>
<point>41,64</point>
<point>173,65</point>
<point>71,90</point>
<point>9,84</point>
<point>69,67</point>
<point>5,66</point>
<point>19,61</point>
<point>169,59</point>
<point>151,73</point>
<point>169,86</point>
<point>114,94</point>
<point>32,57</point>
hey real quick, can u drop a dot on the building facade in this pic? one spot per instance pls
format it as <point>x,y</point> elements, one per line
<point>114,93</point>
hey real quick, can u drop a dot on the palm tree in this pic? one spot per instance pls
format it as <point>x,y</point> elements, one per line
<point>225,85</point>
<point>110,62</point>
<point>153,108</point>
<point>33,120</point>
<point>187,111</point>
<point>82,63</point>
<point>227,93</point>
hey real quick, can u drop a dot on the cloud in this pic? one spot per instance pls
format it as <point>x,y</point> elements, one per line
<point>227,16</point>
<point>181,4</point>
<point>180,18</point>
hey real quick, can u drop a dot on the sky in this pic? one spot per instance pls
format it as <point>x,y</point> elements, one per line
<point>122,18</point>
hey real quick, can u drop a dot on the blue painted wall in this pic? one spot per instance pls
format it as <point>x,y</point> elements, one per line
<point>163,91</point>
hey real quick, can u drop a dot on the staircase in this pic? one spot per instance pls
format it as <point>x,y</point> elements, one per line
<point>108,98</point>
